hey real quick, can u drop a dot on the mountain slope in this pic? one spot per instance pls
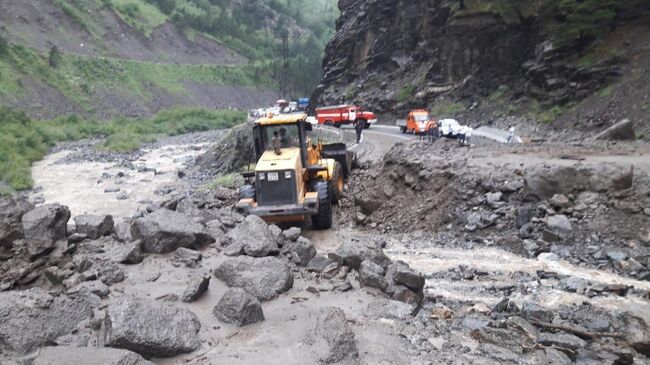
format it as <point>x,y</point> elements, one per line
<point>109,58</point>
<point>483,61</point>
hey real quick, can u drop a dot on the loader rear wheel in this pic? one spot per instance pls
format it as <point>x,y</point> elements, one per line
<point>337,183</point>
<point>322,219</point>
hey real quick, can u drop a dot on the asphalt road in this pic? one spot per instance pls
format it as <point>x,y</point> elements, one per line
<point>380,138</point>
<point>376,141</point>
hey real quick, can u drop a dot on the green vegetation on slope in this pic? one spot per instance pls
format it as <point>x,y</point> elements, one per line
<point>24,140</point>
<point>78,77</point>
<point>255,29</point>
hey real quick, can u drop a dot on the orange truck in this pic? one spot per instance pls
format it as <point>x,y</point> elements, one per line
<point>418,122</point>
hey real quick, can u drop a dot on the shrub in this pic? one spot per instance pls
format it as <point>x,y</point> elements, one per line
<point>54,57</point>
<point>405,93</point>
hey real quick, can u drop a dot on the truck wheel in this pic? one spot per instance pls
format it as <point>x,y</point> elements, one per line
<point>247,192</point>
<point>402,129</point>
<point>329,123</point>
<point>337,183</point>
<point>322,219</point>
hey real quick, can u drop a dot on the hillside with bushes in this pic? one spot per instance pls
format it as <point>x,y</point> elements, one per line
<point>133,58</point>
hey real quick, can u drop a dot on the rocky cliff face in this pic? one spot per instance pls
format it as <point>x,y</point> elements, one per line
<point>395,55</point>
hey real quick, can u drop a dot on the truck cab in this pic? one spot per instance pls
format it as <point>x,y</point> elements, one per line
<point>417,122</point>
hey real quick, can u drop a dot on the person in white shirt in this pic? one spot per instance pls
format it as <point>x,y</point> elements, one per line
<point>511,134</point>
<point>465,135</point>
<point>468,135</point>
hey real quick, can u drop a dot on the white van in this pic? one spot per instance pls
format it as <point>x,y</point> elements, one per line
<point>449,128</point>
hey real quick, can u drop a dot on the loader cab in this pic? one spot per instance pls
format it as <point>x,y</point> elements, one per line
<point>289,132</point>
<point>294,177</point>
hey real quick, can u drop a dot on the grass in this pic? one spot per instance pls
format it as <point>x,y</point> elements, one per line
<point>446,109</point>
<point>499,95</point>
<point>139,14</point>
<point>405,93</point>
<point>24,140</point>
<point>229,181</point>
<point>81,12</point>
<point>543,114</point>
<point>606,92</point>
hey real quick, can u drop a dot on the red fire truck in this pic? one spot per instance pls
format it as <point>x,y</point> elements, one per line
<point>336,116</point>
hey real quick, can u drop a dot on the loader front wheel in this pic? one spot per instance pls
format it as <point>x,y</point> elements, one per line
<point>322,219</point>
<point>247,192</point>
<point>337,184</point>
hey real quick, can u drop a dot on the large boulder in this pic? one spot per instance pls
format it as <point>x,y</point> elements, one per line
<point>543,183</point>
<point>621,131</point>
<point>60,355</point>
<point>239,307</point>
<point>390,309</point>
<point>352,253</point>
<point>253,237</point>
<point>187,257</point>
<point>331,338</point>
<point>128,253</point>
<point>319,263</point>
<point>196,287</point>
<point>94,226</point>
<point>369,202</point>
<point>45,225</point>
<point>560,225</point>
<point>399,272</point>
<point>12,210</point>
<point>372,275</point>
<point>302,251</point>
<point>164,231</point>
<point>150,328</point>
<point>264,278</point>
<point>33,318</point>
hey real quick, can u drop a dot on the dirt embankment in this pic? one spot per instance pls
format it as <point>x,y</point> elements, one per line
<point>589,204</point>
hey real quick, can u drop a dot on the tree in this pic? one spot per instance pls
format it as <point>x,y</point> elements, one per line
<point>55,57</point>
<point>4,46</point>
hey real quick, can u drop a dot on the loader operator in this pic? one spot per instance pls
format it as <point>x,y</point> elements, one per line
<point>285,141</point>
<point>276,143</point>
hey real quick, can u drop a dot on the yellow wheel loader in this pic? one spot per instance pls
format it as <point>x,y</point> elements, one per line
<point>295,176</point>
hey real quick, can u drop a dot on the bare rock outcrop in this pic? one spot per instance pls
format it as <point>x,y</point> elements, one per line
<point>88,356</point>
<point>150,328</point>
<point>239,307</point>
<point>331,337</point>
<point>164,231</point>
<point>264,278</point>
<point>33,318</point>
